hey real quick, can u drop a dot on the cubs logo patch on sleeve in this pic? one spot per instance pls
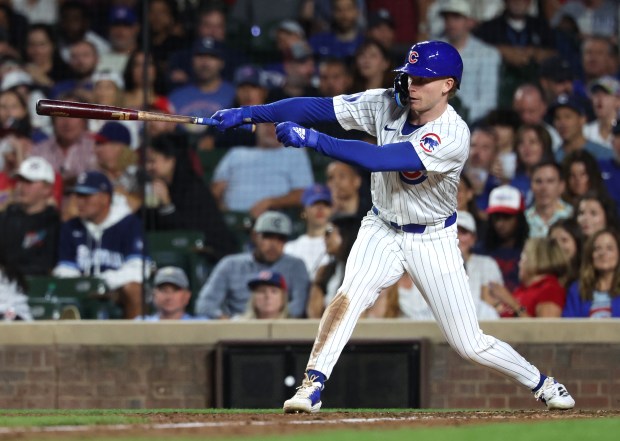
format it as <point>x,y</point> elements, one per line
<point>429,142</point>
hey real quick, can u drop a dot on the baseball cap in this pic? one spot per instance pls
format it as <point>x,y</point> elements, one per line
<point>173,275</point>
<point>273,222</point>
<point>556,69</point>
<point>380,17</point>
<point>460,7</point>
<point>122,15</point>
<point>108,75</point>
<point>299,52</point>
<point>267,278</point>
<point>607,84</point>
<point>92,182</point>
<point>316,193</point>
<point>465,220</point>
<point>291,26</point>
<point>113,132</point>
<point>249,74</point>
<point>505,199</point>
<point>569,101</point>
<point>15,78</point>
<point>37,168</point>
<point>208,46</point>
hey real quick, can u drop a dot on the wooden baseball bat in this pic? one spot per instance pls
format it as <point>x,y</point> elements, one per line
<point>70,109</point>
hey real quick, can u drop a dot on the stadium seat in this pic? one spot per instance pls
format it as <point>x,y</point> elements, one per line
<point>240,224</point>
<point>209,160</point>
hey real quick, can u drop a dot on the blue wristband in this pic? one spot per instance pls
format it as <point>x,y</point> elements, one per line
<point>312,138</point>
<point>246,114</point>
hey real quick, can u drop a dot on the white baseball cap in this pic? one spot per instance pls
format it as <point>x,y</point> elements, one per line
<point>465,220</point>
<point>461,7</point>
<point>108,75</point>
<point>36,168</point>
<point>505,199</point>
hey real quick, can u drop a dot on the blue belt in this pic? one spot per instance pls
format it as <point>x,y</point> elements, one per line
<point>417,228</point>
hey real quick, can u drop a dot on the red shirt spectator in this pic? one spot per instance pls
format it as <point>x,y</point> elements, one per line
<point>547,289</point>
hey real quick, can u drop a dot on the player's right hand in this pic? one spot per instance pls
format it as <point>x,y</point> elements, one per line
<point>231,118</point>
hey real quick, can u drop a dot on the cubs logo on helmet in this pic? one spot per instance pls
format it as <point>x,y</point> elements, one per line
<point>429,142</point>
<point>433,59</point>
<point>413,57</point>
<point>413,177</point>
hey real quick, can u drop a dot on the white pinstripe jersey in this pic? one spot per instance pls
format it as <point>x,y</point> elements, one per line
<point>425,198</point>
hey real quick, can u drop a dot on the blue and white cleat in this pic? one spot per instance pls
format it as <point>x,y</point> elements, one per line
<point>308,397</point>
<point>554,395</point>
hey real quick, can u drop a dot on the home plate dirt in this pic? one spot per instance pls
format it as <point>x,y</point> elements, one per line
<point>172,423</point>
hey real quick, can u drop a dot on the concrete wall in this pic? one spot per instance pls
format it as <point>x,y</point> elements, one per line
<point>122,364</point>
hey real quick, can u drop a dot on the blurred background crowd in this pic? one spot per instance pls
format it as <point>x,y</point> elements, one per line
<point>185,222</point>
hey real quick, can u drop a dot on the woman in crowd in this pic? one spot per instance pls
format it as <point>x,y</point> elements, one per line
<point>597,292</point>
<point>581,174</point>
<point>340,235</point>
<point>133,77</point>
<point>533,146</point>
<point>542,270</point>
<point>43,60</point>
<point>269,297</point>
<point>594,212</point>
<point>372,67</point>
<point>567,234</point>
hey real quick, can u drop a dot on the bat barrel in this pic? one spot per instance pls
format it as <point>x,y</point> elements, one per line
<point>70,109</point>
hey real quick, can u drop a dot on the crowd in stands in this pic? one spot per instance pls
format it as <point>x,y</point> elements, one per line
<point>538,202</point>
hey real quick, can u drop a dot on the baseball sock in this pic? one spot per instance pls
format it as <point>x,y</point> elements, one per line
<point>540,383</point>
<point>320,377</point>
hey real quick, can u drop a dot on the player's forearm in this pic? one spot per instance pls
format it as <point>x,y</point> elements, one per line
<point>390,157</point>
<point>301,110</point>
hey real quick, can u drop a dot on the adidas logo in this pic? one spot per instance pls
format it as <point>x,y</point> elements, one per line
<point>301,132</point>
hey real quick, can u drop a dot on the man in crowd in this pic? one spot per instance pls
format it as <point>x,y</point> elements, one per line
<point>171,295</point>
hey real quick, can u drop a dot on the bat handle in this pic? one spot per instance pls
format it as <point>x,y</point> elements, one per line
<point>213,122</point>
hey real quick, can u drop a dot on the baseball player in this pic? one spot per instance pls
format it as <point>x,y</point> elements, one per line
<point>422,147</point>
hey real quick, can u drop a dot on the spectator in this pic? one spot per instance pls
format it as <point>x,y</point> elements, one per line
<point>171,295</point>
<point>14,28</point>
<point>523,41</point>
<point>340,235</point>
<point>599,57</point>
<point>372,67</point>
<point>71,149</point>
<point>166,33</point>
<point>226,292</point>
<point>119,164</point>
<point>595,212</point>
<point>569,119</point>
<point>289,36</point>
<point>43,60</point>
<point>605,94</point>
<point>123,33</point>
<point>182,200</point>
<point>299,71</point>
<point>593,17</point>
<point>104,243</point>
<point>465,201</point>
<point>29,227</point>
<point>381,28</point>
<point>210,23</point>
<point>533,146</point>
<point>556,78</point>
<point>74,26</point>
<point>567,234</point>
<point>37,11</point>
<point>548,206</point>
<point>581,173</point>
<point>344,182</point>
<point>597,292</point>
<point>133,78</point>
<point>334,77</point>
<point>268,298</point>
<point>83,60</point>
<point>610,168</point>
<point>210,92</point>
<point>344,37</point>
<point>482,155</point>
<point>507,231</point>
<point>283,175</point>
<point>14,112</point>
<point>13,300</point>
<point>310,246</point>
<point>542,271</point>
<point>529,102</point>
<point>481,62</point>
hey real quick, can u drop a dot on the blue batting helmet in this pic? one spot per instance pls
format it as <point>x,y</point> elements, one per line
<point>430,59</point>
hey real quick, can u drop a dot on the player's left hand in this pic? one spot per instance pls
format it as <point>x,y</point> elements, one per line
<point>231,118</point>
<point>293,135</point>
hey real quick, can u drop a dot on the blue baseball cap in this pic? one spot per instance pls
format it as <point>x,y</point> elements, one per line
<point>208,46</point>
<point>92,182</point>
<point>122,15</point>
<point>113,132</point>
<point>316,193</point>
<point>569,101</point>
<point>267,278</point>
<point>250,74</point>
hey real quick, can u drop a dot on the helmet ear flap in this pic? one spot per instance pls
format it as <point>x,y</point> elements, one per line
<point>401,89</point>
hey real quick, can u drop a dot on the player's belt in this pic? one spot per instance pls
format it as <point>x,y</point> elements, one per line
<point>417,228</point>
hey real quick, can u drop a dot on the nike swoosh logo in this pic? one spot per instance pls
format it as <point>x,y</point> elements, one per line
<point>386,128</point>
